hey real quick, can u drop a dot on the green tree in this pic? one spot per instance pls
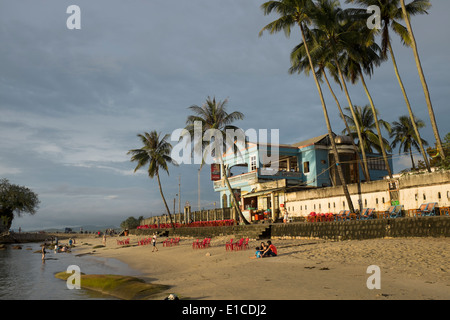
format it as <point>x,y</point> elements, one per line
<point>301,13</point>
<point>213,115</point>
<point>391,15</point>
<point>131,223</point>
<point>336,32</point>
<point>366,123</point>
<point>300,63</point>
<point>436,160</point>
<point>156,154</point>
<point>404,135</point>
<point>361,58</point>
<point>15,200</point>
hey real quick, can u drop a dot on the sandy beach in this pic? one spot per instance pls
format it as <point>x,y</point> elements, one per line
<point>410,268</point>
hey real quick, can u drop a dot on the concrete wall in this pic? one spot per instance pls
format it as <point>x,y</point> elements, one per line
<point>336,231</point>
<point>369,229</point>
<point>413,191</point>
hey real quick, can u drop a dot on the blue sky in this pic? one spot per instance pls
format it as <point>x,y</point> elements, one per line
<point>73,101</point>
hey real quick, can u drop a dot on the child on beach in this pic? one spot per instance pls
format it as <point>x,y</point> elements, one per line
<point>257,253</point>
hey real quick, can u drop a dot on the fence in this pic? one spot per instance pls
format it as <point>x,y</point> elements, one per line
<point>222,214</point>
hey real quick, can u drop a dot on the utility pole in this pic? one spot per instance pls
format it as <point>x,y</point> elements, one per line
<point>179,194</point>
<point>199,209</point>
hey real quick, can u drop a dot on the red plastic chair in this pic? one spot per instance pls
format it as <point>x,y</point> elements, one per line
<point>195,244</point>
<point>245,244</point>
<point>238,245</point>
<point>229,245</point>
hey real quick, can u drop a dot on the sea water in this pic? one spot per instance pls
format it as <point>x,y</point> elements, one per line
<point>24,276</point>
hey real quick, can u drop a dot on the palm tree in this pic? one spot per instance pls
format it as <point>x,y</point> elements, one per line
<point>213,115</point>
<point>359,59</point>
<point>156,153</point>
<point>390,14</point>
<point>300,63</point>
<point>422,77</point>
<point>300,13</point>
<point>369,139</point>
<point>404,135</point>
<point>335,32</point>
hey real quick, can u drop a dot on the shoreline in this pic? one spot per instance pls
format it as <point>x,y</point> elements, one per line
<point>410,268</point>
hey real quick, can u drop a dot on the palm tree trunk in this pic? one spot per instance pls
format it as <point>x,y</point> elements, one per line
<point>412,159</point>
<point>164,200</point>
<point>345,122</point>
<point>380,137</point>
<point>235,202</point>
<point>422,79</point>
<point>327,120</point>
<point>358,130</point>
<point>408,105</point>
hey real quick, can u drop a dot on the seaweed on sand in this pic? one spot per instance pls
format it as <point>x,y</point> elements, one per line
<point>122,287</point>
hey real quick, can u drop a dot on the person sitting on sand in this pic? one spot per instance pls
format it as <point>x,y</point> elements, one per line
<point>257,253</point>
<point>271,251</point>
<point>263,247</point>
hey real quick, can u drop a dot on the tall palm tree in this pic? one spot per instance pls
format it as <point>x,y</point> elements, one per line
<point>300,63</point>
<point>335,32</point>
<point>391,14</point>
<point>300,13</point>
<point>213,115</point>
<point>422,77</point>
<point>156,154</point>
<point>369,138</point>
<point>359,59</point>
<point>404,135</point>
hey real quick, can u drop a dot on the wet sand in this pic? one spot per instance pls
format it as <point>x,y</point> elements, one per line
<point>410,268</point>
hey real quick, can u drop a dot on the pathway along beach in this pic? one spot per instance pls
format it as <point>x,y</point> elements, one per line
<point>410,268</point>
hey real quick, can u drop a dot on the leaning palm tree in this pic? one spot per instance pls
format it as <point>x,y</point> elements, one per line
<point>335,32</point>
<point>422,77</point>
<point>156,154</point>
<point>213,115</point>
<point>404,135</point>
<point>366,121</point>
<point>391,14</point>
<point>300,13</point>
<point>361,58</point>
<point>300,63</point>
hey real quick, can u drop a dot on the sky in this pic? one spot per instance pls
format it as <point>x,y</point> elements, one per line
<point>72,101</point>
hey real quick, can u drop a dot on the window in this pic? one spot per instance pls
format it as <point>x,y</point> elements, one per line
<point>252,163</point>
<point>306,167</point>
<point>376,163</point>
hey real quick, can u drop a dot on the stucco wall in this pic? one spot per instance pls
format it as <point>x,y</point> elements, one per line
<point>413,191</point>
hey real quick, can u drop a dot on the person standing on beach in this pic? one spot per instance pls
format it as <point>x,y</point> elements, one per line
<point>43,252</point>
<point>154,243</point>
<point>104,239</point>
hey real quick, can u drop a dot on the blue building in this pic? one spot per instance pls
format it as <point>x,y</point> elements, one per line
<point>260,173</point>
